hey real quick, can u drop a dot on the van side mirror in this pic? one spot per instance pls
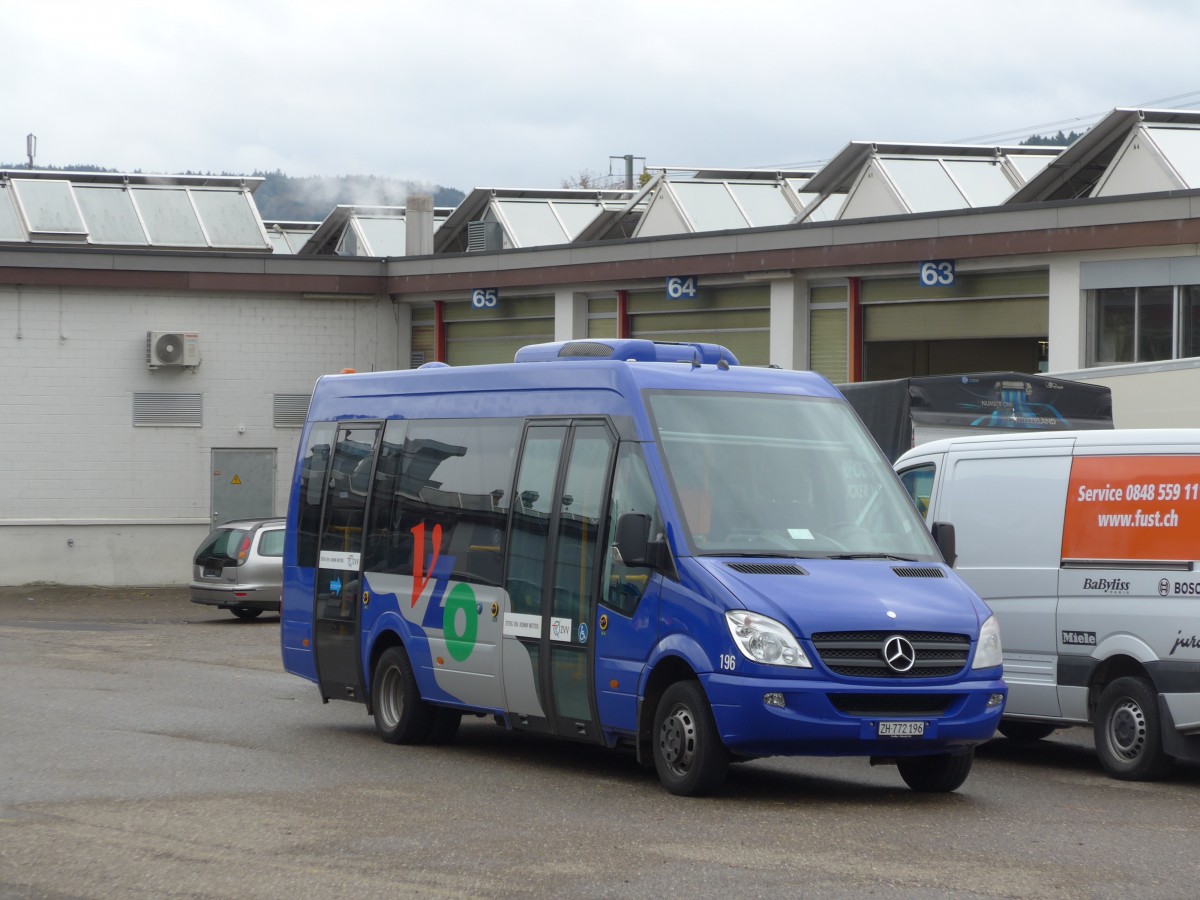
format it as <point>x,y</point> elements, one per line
<point>633,541</point>
<point>943,536</point>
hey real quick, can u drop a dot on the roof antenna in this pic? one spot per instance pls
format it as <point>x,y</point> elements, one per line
<point>695,358</point>
<point>31,147</point>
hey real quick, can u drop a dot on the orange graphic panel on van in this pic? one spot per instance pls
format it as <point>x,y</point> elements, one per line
<point>1133,508</point>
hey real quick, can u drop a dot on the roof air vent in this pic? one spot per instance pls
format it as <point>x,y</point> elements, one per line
<point>484,237</point>
<point>767,569</point>
<point>591,349</point>
<point>918,571</point>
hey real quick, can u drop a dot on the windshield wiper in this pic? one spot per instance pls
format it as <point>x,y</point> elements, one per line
<point>776,554</point>
<point>872,556</point>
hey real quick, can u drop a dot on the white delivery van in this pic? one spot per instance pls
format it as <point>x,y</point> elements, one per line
<point>1086,545</point>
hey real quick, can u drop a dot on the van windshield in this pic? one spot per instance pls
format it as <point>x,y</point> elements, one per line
<point>782,475</point>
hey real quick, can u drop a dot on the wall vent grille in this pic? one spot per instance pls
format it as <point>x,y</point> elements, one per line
<point>290,410</point>
<point>172,408</point>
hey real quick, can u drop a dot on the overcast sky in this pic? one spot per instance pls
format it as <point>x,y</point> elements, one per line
<point>471,93</point>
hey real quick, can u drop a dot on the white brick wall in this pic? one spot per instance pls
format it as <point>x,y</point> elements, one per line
<point>135,500</point>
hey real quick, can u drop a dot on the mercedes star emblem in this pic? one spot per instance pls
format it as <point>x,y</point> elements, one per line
<point>898,653</point>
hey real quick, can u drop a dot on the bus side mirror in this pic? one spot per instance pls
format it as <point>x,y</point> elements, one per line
<point>633,541</point>
<point>943,536</point>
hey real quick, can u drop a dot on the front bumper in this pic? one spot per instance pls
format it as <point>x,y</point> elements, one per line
<point>956,715</point>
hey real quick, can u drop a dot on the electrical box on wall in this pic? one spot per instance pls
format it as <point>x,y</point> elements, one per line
<point>172,349</point>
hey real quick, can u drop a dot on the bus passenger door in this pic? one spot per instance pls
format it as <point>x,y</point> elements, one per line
<point>338,612</point>
<point>553,577</point>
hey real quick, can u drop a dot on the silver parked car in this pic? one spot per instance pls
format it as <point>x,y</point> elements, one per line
<point>239,567</point>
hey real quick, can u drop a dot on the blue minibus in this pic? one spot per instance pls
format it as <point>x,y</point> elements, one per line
<point>633,544</point>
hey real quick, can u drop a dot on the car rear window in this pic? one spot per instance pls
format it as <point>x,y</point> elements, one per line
<point>221,546</point>
<point>271,543</point>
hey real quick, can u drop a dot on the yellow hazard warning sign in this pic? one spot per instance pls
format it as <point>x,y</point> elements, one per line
<point>236,480</point>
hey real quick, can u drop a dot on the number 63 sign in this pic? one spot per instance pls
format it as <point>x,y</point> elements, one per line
<point>937,273</point>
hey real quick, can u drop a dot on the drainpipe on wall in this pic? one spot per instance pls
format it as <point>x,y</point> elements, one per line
<point>439,330</point>
<point>855,346</point>
<point>622,314</point>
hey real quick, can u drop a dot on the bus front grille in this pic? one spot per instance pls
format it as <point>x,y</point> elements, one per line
<point>864,654</point>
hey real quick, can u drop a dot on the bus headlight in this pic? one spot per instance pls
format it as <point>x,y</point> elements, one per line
<point>764,640</point>
<point>988,653</point>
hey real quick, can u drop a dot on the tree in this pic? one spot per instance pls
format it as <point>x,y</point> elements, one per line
<point>586,179</point>
<point>1053,140</point>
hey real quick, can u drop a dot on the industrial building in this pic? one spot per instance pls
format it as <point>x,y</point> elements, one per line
<point>161,340</point>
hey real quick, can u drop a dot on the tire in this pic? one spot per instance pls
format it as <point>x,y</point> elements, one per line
<point>1025,732</point>
<point>688,754</point>
<point>445,725</point>
<point>245,612</point>
<point>401,716</point>
<point>1128,731</point>
<point>938,774</point>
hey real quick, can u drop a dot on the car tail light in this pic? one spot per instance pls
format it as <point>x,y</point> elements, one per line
<point>244,550</point>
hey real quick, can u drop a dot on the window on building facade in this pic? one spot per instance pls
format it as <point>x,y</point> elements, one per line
<point>1189,332</point>
<point>1144,324</point>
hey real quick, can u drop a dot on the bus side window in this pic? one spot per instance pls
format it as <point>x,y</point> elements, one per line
<point>387,549</point>
<point>446,477</point>
<point>632,492</point>
<point>918,481</point>
<point>313,472</point>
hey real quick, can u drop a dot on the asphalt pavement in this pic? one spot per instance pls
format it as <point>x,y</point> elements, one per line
<point>153,748</point>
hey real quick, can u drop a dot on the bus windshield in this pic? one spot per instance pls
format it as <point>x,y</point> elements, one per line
<point>779,475</point>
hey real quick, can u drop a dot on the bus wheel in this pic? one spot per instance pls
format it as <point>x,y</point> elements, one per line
<point>938,774</point>
<point>1016,730</point>
<point>401,716</point>
<point>688,753</point>
<point>1129,732</point>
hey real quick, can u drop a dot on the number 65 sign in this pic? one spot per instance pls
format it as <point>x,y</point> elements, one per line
<point>485,298</point>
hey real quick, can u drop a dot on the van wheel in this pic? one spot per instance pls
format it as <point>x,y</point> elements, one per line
<point>938,774</point>
<point>401,716</point>
<point>688,753</point>
<point>1016,730</point>
<point>245,612</point>
<point>1129,731</point>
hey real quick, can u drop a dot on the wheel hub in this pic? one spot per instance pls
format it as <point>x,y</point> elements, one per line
<point>390,699</point>
<point>677,739</point>
<point>1127,730</point>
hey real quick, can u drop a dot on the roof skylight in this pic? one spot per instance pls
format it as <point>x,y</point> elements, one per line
<point>130,210</point>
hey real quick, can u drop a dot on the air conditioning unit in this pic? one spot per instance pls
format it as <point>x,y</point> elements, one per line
<point>172,349</point>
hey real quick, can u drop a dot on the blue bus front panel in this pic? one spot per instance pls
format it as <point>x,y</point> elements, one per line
<point>834,707</point>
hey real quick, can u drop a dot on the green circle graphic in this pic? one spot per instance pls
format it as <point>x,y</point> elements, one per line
<point>460,645</point>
